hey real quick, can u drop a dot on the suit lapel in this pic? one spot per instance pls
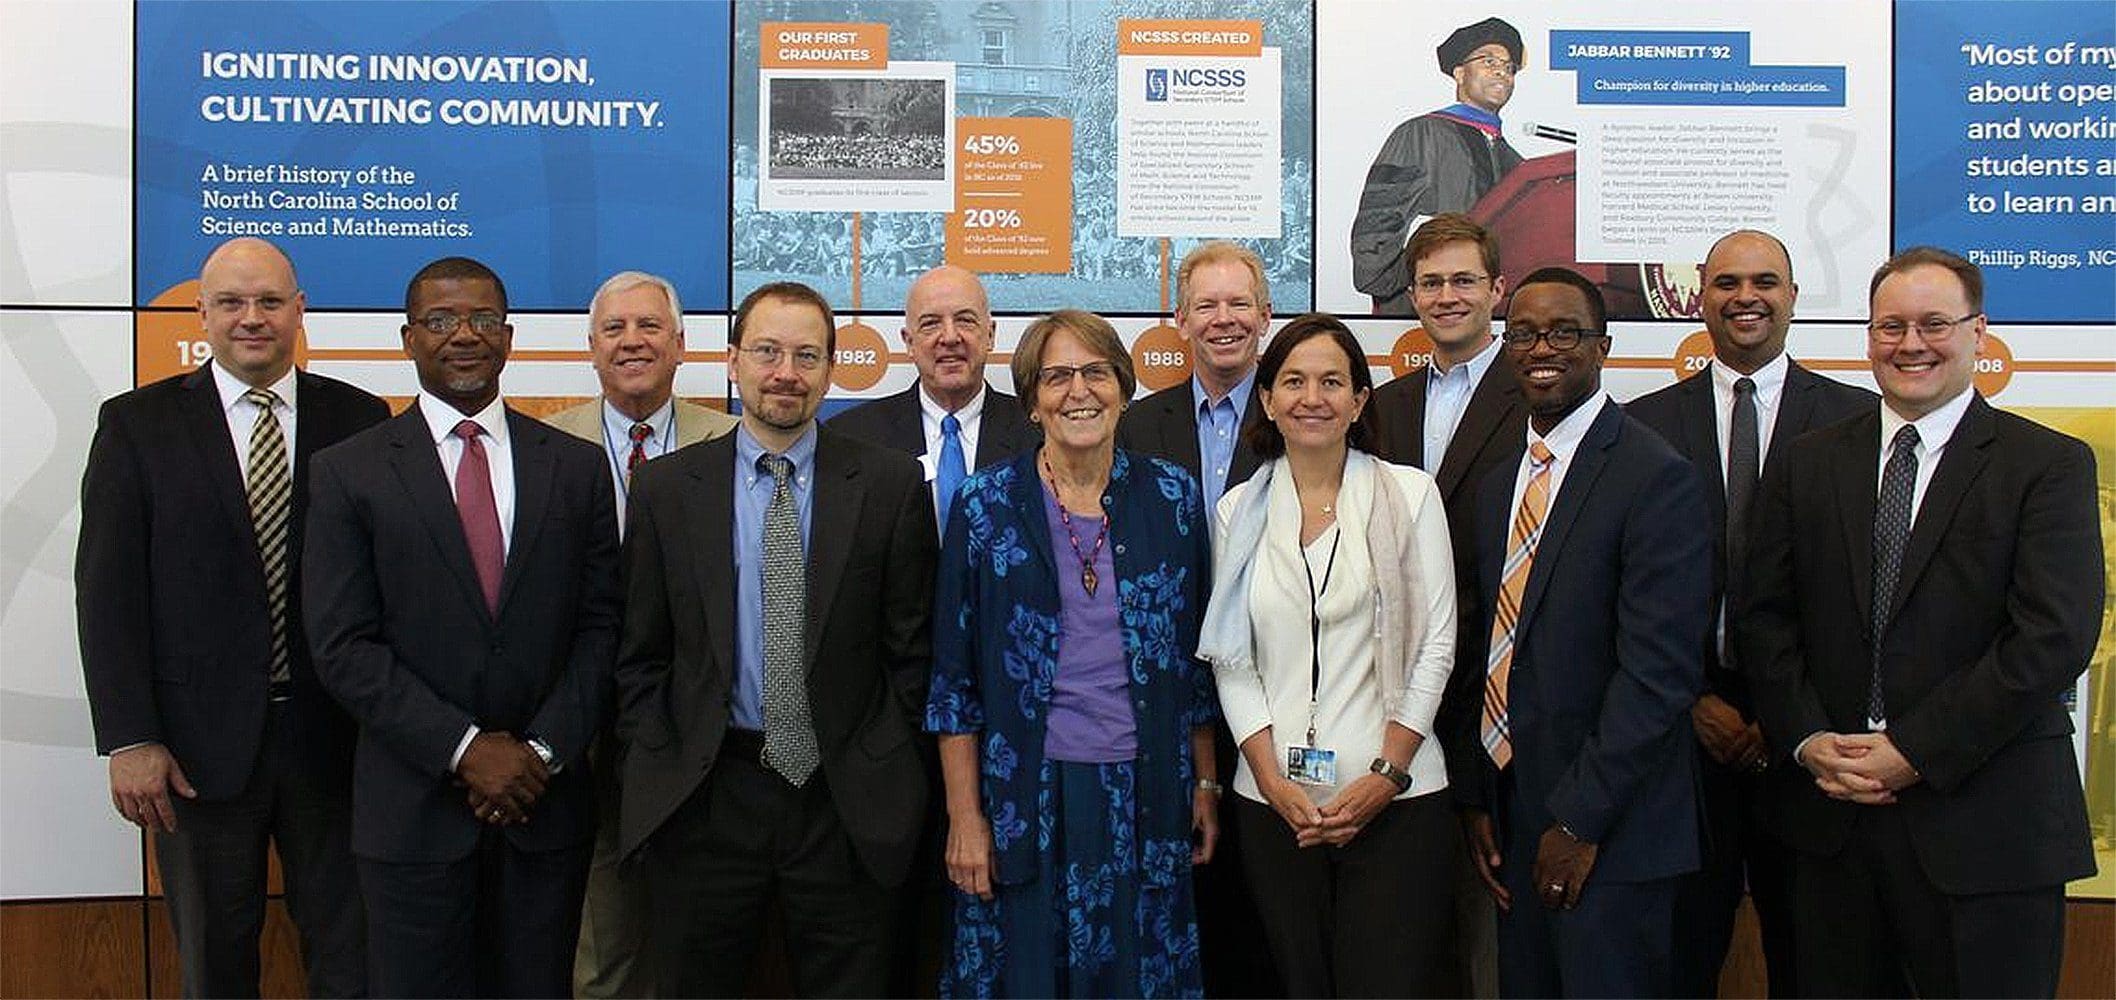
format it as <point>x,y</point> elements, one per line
<point>1796,410</point>
<point>1006,429</point>
<point>1245,460</point>
<point>1700,443</point>
<point>1856,474</point>
<point>834,512</point>
<point>1416,392</point>
<point>906,430</point>
<point>1489,405</point>
<point>710,500</point>
<point>1964,460</point>
<point>1588,460</point>
<point>207,423</point>
<point>417,465</point>
<point>1179,430</point>
<point>534,468</point>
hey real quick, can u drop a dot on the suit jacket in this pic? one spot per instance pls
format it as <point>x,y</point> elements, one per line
<point>870,587</point>
<point>1687,416</point>
<point>1605,664</point>
<point>694,423</point>
<point>896,422</point>
<point>176,642</point>
<point>403,638</point>
<point>1997,608</point>
<point>1165,425</point>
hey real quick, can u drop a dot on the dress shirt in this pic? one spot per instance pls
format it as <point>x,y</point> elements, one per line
<point>1770,391</point>
<point>1350,714</point>
<point>242,415</point>
<point>1219,427</point>
<point>1563,441</point>
<point>1934,431</point>
<point>1447,396</point>
<point>617,442</point>
<point>753,491</point>
<point>929,418</point>
<point>441,420</point>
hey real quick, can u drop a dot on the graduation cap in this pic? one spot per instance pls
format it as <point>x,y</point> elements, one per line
<point>1465,40</point>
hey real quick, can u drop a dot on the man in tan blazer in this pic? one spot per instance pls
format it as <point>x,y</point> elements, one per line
<point>635,332</point>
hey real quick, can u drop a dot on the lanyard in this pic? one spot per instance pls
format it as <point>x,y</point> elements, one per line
<point>1315,623</point>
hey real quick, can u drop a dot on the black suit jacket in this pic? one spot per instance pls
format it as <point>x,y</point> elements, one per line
<point>1997,608</point>
<point>871,561</point>
<point>1686,415</point>
<point>1165,424</point>
<point>896,422</point>
<point>176,642</point>
<point>402,636</point>
<point>1605,665</point>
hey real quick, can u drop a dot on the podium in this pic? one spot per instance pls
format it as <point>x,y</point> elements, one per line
<point>1531,213</point>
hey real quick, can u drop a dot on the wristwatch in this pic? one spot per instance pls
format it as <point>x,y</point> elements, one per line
<point>542,750</point>
<point>1397,776</point>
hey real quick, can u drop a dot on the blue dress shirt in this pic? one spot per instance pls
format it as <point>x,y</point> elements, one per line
<point>1219,427</point>
<point>752,496</point>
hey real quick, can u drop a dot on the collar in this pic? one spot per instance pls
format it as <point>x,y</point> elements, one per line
<point>1565,438</point>
<point>966,415</point>
<point>1239,395</point>
<point>1473,116</point>
<point>619,426</point>
<point>803,452</point>
<point>1934,429</point>
<point>1769,379</point>
<point>232,388</point>
<point>1476,366</point>
<point>442,418</point>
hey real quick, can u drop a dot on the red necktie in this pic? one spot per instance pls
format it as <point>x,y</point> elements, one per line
<point>640,433</point>
<point>480,515</point>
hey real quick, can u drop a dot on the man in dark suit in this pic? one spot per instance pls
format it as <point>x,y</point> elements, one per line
<point>199,680</point>
<point>1570,750</point>
<point>948,331</point>
<point>1731,421</point>
<point>1457,417</point>
<point>775,659</point>
<point>1924,583</point>
<point>462,600</point>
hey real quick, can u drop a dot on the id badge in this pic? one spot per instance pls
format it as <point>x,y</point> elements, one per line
<point>1311,765</point>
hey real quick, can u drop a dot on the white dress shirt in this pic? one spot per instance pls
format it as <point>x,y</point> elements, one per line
<point>1770,392</point>
<point>1935,429</point>
<point>1447,396</point>
<point>930,414</point>
<point>1563,442</point>
<point>441,421</point>
<point>242,414</point>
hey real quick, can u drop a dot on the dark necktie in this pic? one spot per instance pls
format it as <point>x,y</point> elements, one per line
<point>948,474</point>
<point>789,731</point>
<point>639,434</point>
<point>1891,529</point>
<point>1743,463</point>
<point>270,488</point>
<point>480,514</point>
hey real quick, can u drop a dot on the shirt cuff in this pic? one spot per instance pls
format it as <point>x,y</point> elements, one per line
<point>1802,745</point>
<point>134,746</point>
<point>455,760</point>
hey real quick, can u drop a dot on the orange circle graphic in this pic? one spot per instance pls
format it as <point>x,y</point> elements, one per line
<point>1160,358</point>
<point>861,357</point>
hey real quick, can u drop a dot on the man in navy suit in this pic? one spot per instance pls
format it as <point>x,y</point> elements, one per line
<point>1570,749</point>
<point>199,680</point>
<point>462,600</point>
<point>1732,421</point>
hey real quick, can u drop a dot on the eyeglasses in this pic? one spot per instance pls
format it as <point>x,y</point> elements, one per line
<point>807,359</point>
<point>1931,328</point>
<point>1097,373</point>
<point>1562,338</point>
<point>1431,284</point>
<point>483,324</point>
<point>1492,64</point>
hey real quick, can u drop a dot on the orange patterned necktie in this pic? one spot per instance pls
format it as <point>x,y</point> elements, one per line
<point>1520,558</point>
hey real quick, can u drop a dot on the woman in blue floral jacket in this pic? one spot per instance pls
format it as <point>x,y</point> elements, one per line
<point>1076,726</point>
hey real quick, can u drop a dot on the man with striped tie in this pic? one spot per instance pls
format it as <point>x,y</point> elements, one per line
<point>1570,752</point>
<point>199,679</point>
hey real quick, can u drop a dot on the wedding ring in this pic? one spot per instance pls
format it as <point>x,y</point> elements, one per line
<point>1554,887</point>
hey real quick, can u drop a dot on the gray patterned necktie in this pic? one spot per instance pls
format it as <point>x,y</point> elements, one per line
<point>789,730</point>
<point>1891,529</point>
<point>270,489</point>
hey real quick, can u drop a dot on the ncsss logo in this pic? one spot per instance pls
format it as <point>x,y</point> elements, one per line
<point>1156,84</point>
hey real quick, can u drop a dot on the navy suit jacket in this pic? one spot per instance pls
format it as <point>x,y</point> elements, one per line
<point>1997,608</point>
<point>1165,425</point>
<point>403,638</point>
<point>1605,662</point>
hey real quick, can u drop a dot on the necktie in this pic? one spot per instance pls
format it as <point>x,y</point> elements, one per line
<point>639,434</point>
<point>948,475</point>
<point>789,732</point>
<point>480,514</point>
<point>1743,444</point>
<point>1521,545</point>
<point>1891,529</point>
<point>270,488</point>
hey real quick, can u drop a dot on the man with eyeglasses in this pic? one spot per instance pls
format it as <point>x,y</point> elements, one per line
<point>773,671</point>
<point>1732,420</point>
<point>1441,161</point>
<point>200,686</point>
<point>1569,746</point>
<point>1924,584</point>
<point>461,595</point>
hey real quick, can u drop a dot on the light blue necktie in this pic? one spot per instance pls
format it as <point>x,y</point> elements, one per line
<point>948,476</point>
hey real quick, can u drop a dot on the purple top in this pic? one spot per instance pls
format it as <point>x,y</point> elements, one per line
<point>1090,720</point>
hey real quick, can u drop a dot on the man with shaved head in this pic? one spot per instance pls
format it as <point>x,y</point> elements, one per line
<point>199,680</point>
<point>1730,420</point>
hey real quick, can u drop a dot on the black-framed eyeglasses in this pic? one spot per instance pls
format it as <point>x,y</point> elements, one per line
<point>1933,328</point>
<point>807,359</point>
<point>1492,63</point>
<point>1563,338</point>
<point>1097,373</point>
<point>1431,284</point>
<point>483,324</point>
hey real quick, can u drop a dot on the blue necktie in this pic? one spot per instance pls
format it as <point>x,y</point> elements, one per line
<point>948,476</point>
